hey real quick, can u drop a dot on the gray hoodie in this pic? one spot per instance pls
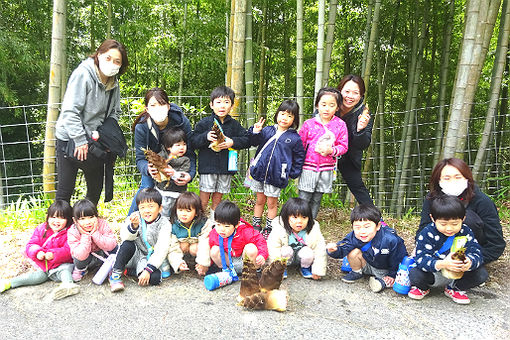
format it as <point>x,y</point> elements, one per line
<point>85,103</point>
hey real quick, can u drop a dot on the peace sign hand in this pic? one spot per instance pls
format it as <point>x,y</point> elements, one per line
<point>257,127</point>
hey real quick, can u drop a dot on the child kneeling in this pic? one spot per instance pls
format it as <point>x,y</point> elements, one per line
<point>371,249</point>
<point>297,237</point>
<point>146,239</point>
<point>237,238</point>
<point>436,244</point>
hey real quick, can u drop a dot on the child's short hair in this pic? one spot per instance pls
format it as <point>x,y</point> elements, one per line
<point>228,213</point>
<point>172,136</point>
<point>149,195</point>
<point>290,106</point>
<point>62,209</point>
<point>296,207</point>
<point>223,91</point>
<point>447,207</point>
<point>83,208</point>
<point>187,200</point>
<point>365,212</point>
<point>332,91</point>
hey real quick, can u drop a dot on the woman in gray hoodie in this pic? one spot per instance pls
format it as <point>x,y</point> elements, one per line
<point>91,96</point>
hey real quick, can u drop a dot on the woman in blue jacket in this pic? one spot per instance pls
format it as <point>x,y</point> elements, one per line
<point>280,155</point>
<point>159,115</point>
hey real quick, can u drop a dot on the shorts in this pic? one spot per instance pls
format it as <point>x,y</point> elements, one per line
<point>268,189</point>
<point>371,270</point>
<point>215,183</point>
<point>313,181</point>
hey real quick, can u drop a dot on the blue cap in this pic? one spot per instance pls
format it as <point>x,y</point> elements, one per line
<point>211,282</point>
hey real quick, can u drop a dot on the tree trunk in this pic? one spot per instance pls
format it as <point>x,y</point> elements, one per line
<point>330,34</point>
<point>381,185</point>
<point>248,64</point>
<point>366,35</point>
<point>371,43</point>
<point>229,42</point>
<point>262,63</point>
<point>238,54</point>
<point>443,79</point>
<point>497,75</point>
<point>92,26</point>
<point>287,61</point>
<point>478,28</point>
<point>299,55</point>
<point>54,92</point>
<point>109,21</point>
<point>319,60</point>
<point>183,43</point>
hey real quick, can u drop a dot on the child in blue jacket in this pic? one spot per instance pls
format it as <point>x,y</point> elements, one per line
<point>280,155</point>
<point>371,248</point>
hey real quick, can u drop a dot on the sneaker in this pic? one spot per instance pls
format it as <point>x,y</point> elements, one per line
<point>376,285</point>
<point>116,284</point>
<point>306,272</point>
<point>257,227</point>
<point>165,274</point>
<point>417,294</point>
<point>265,233</point>
<point>457,296</point>
<point>65,289</point>
<point>285,274</point>
<point>78,274</point>
<point>4,285</point>
<point>352,277</point>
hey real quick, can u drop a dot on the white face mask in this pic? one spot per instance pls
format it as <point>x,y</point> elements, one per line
<point>108,68</point>
<point>158,113</point>
<point>455,187</point>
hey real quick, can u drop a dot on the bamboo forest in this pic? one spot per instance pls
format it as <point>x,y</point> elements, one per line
<point>436,76</point>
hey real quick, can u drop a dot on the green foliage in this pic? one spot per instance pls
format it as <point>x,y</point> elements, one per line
<point>25,213</point>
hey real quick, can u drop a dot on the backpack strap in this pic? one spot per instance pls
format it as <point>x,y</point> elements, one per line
<point>446,246</point>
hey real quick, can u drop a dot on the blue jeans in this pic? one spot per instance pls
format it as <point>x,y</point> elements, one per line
<point>147,182</point>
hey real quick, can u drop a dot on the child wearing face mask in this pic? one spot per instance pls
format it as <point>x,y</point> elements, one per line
<point>49,253</point>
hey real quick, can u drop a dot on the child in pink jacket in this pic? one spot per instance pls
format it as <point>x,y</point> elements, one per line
<point>49,252</point>
<point>325,138</point>
<point>90,238</point>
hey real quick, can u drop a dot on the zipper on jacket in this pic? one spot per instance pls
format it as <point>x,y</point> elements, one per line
<point>271,157</point>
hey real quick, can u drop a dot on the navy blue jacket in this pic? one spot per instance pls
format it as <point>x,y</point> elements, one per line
<point>386,251</point>
<point>281,159</point>
<point>210,161</point>
<point>148,136</point>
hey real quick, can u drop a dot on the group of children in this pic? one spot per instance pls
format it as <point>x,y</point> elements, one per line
<point>171,221</point>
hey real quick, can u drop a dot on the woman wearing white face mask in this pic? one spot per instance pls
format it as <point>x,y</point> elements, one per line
<point>92,95</point>
<point>452,176</point>
<point>158,115</point>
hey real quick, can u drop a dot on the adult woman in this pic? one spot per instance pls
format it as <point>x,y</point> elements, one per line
<point>452,176</point>
<point>159,114</point>
<point>359,126</point>
<point>92,95</point>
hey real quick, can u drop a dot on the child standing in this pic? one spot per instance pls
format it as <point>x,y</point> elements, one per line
<point>89,238</point>
<point>174,149</point>
<point>434,253</point>
<point>297,237</point>
<point>325,137</point>
<point>146,239</point>
<point>191,228</point>
<point>49,252</point>
<point>371,248</point>
<point>280,155</point>
<point>236,238</point>
<point>217,161</point>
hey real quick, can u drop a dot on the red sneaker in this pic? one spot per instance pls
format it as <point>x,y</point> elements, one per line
<point>417,294</point>
<point>457,296</point>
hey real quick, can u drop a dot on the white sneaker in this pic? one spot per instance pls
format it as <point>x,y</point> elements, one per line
<point>65,289</point>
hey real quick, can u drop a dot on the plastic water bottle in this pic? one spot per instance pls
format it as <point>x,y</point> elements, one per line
<point>402,283</point>
<point>346,267</point>
<point>104,270</point>
<point>217,280</point>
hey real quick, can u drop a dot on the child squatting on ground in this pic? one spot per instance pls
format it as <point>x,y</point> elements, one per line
<point>216,156</point>
<point>190,231</point>
<point>435,247</point>
<point>297,237</point>
<point>146,240</point>
<point>236,238</point>
<point>280,155</point>
<point>49,252</point>
<point>371,249</point>
<point>90,238</point>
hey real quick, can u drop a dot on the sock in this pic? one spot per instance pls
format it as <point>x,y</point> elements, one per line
<point>116,273</point>
<point>359,271</point>
<point>212,214</point>
<point>268,222</point>
<point>256,221</point>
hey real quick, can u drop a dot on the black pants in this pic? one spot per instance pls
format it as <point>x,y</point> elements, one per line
<point>67,169</point>
<point>424,280</point>
<point>125,253</point>
<point>352,177</point>
<point>92,261</point>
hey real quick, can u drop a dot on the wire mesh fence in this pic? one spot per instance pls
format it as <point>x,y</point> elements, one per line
<point>22,146</point>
